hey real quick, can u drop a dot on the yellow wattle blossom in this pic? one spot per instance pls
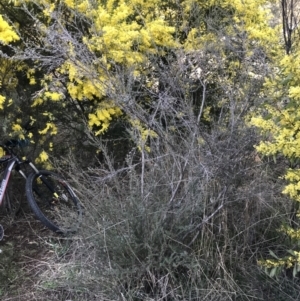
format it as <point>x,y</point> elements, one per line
<point>43,160</point>
<point>32,81</point>
<point>125,36</point>
<point>70,3</point>
<point>102,117</point>
<point>7,34</point>
<point>50,127</point>
<point>294,92</point>
<point>43,156</point>
<point>37,101</point>
<point>48,10</point>
<point>142,134</point>
<point>16,127</point>
<point>55,96</point>
<point>2,101</point>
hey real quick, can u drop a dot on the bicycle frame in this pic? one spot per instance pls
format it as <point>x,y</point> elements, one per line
<point>11,162</point>
<point>6,176</point>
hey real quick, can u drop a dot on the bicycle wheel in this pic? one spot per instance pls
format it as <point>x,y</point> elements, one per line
<point>54,202</point>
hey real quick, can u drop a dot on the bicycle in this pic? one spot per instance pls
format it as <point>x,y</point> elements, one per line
<point>51,198</point>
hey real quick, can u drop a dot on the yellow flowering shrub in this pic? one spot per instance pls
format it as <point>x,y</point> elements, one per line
<point>122,32</point>
<point>279,123</point>
<point>122,35</point>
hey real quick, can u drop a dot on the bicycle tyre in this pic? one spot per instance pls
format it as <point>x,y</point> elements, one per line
<point>53,202</point>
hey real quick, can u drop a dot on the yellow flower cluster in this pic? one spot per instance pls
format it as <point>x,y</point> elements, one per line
<point>43,159</point>
<point>2,101</point>
<point>271,263</point>
<point>43,156</point>
<point>7,34</point>
<point>102,117</point>
<point>124,34</point>
<point>283,130</point>
<point>142,134</point>
<point>17,129</point>
<point>278,263</point>
<point>55,96</point>
<point>292,233</point>
<point>50,127</point>
<point>293,188</point>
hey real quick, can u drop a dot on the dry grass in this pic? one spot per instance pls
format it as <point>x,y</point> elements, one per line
<point>184,224</point>
<point>162,229</point>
